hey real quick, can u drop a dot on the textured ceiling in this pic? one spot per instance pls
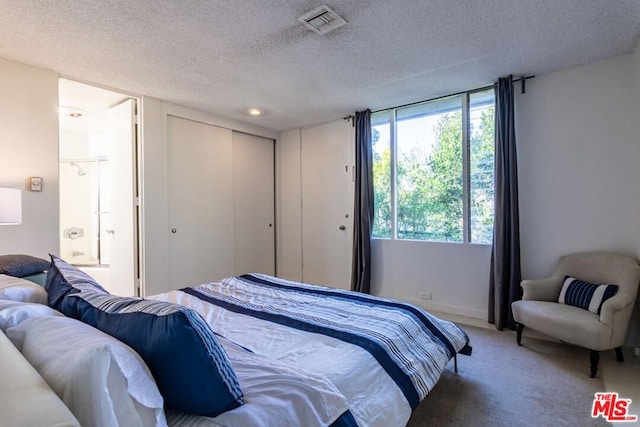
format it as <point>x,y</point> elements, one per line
<point>224,56</point>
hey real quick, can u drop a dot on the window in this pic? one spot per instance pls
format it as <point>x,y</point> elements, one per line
<point>433,169</point>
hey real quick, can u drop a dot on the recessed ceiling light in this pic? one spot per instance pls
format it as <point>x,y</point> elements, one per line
<point>72,112</point>
<point>255,112</point>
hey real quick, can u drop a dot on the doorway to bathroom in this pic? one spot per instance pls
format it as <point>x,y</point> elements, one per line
<point>98,184</point>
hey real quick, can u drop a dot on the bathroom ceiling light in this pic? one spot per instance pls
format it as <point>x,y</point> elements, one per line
<point>72,112</point>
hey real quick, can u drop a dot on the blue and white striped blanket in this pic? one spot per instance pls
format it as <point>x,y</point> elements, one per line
<point>411,345</point>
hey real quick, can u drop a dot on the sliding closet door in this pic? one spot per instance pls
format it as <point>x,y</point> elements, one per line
<point>200,202</point>
<point>253,204</point>
<point>327,203</point>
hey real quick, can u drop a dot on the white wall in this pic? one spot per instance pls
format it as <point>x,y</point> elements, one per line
<point>633,336</point>
<point>579,157</point>
<point>456,274</point>
<point>578,182</point>
<point>578,153</point>
<point>29,147</point>
<point>577,164</point>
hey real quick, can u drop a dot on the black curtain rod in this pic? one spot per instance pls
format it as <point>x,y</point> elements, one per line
<point>522,81</point>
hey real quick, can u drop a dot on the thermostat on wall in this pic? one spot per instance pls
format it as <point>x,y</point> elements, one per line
<point>36,183</point>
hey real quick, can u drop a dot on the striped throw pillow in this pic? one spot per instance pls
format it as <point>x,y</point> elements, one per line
<point>588,296</point>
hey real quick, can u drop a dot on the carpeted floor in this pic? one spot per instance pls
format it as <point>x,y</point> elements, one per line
<point>501,384</point>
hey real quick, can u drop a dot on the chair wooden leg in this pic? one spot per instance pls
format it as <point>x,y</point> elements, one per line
<point>519,328</point>
<point>619,355</point>
<point>595,358</point>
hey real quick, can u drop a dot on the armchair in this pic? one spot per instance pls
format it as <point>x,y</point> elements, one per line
<point>540,310</point>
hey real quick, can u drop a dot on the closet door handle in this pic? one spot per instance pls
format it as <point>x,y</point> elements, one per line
<point>342,227</point>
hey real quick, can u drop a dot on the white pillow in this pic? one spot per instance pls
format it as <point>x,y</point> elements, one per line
<point>100,379</point>
<point>17,289</point>
<point>12,313</point>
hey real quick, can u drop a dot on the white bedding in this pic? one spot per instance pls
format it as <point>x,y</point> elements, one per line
<point>275,395</point>
<point>306,355</point>
<point>18,289</point>
<point>101,380</point>
<point>372,396</point>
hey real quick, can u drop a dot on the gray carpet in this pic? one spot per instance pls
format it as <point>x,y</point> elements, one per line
<point>501,384</point>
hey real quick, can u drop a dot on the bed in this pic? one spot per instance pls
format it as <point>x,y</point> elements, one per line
<point>297,354</point>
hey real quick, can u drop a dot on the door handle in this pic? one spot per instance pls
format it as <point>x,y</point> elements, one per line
<point>342,227</point>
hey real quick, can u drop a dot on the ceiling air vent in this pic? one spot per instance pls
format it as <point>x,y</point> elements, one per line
<point>322,20</point>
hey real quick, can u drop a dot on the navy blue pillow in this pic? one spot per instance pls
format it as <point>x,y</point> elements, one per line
<point>585,295</point>
<point>192,370</point>
<point>18,265</point>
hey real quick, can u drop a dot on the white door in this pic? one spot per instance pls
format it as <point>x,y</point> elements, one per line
<point>119,225</point>
<point>253,204</point>
<point>327,204</point>
<point>200,202</point>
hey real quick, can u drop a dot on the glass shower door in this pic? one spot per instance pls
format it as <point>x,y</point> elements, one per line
<point>82,214</point>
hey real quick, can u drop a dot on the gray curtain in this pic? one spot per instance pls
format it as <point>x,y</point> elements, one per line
<point>504,287</point>
<point>363,205</point>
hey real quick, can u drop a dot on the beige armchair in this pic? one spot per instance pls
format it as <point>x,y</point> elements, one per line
<point>539,308</point>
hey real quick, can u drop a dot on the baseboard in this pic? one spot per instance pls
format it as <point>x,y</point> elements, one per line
<point>475,314</point>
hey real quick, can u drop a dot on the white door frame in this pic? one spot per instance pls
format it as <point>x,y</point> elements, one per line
<point>88,97</point>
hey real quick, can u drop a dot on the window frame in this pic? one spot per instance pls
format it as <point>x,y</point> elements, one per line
<point>466,168</point>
